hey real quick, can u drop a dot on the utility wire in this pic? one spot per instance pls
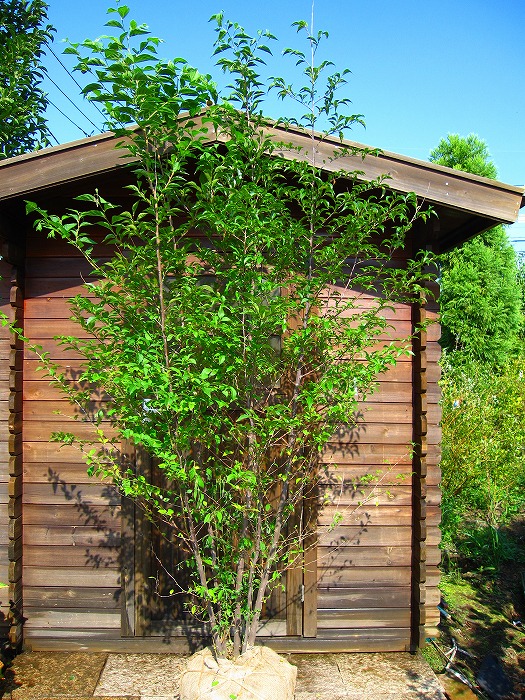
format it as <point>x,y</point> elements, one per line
<point>53,135</point>
<point>69,118</point>
<point>75,81</point>
<point>74,105</point>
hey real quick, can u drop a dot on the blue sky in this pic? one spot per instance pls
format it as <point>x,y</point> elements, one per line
<point>420,69</point>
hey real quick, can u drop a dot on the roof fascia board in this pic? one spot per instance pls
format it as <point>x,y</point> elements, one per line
<point>432,183</point>
<point>61,164</point>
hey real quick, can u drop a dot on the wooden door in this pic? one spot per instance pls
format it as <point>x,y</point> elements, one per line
<point>154,578</point>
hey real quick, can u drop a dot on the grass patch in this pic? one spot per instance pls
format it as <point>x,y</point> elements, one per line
<point>487,615</point>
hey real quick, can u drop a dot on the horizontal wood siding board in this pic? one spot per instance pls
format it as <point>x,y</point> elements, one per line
<point>363,618</point>
<point>72,535</point>
<point>61,412</point>
<point>102,517</point>
<point>375,434</point>
<point>60,492</point>
<point>60,308</point>
<point>89,636</point>
<point>375,516</point>
<point>343,536</point>
<point>106,641</point>
<point>345,495</point>
<point>41,431</point>
<point>42,390</point>
<point>363,576</point>
<point>78,597</point>
<point>366,454</point>
<point>361,637</point>
<point>363,556</point>
<point>42,329</point>
<point>72,577</point>
<point>51,346</point>
<point>399,373</point>
<point>355,598</point>
<point>66,618</point>
<point>90,557</point>
<point>369,412</point>
<point>377,474</point>
<point>51,452</point>
<point>57,288</point>
<point>43,247</point>
<point>41,473</point>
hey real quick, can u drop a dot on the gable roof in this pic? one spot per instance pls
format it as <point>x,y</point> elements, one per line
<point>466,204</point>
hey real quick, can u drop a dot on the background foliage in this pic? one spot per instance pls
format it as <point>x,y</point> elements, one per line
<point>483,461</point>
<point>483,381</point>
<point>23,38</point>
<point>480,299</point>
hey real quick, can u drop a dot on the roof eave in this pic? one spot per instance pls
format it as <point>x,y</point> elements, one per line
<point>435,184</point>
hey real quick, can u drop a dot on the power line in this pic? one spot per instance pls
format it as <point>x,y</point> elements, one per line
<point>74,105</point>
<point>68,118</point>
<point>75,81</point>
<point>53,135</point>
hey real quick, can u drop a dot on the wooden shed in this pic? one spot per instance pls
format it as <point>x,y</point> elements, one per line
<point>75,556</point>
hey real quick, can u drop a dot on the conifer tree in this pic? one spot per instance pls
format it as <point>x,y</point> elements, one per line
<point>480,298</point>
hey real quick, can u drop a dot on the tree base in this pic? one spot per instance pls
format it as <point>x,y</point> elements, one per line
<point>258,674</point>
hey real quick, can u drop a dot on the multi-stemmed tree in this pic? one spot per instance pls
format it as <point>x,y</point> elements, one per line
<point>222,328</point>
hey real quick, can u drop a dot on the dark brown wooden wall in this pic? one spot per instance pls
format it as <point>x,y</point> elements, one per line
<point>360,584</point>
<point>5,347</point>
<point>71,522</point>
<point>364,563</point>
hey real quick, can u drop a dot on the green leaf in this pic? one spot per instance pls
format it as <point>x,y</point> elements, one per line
<point>123,11</point>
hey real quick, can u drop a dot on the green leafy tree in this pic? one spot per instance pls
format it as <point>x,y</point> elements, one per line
<point>211,346</point>
<point>483,462</point>
<point>480,299</point>
<point>483,471</point>
<point>467,153</point>
<point>23,37</point>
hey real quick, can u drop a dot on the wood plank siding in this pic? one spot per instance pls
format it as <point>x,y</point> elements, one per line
<point>72,523</point>
<point>358,581</point>
<point>364,551</point>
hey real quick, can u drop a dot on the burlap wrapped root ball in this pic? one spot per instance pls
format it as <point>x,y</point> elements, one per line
<point>258,674</point>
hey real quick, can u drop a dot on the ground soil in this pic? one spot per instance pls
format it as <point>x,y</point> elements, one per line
<point>487,617</point>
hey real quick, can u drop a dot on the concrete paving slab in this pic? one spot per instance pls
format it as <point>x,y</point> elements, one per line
<point>152,676</point>
<point>388,677</point>
<point>319,677</point>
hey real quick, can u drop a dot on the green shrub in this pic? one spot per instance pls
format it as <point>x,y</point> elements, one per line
<point>483,463</point>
